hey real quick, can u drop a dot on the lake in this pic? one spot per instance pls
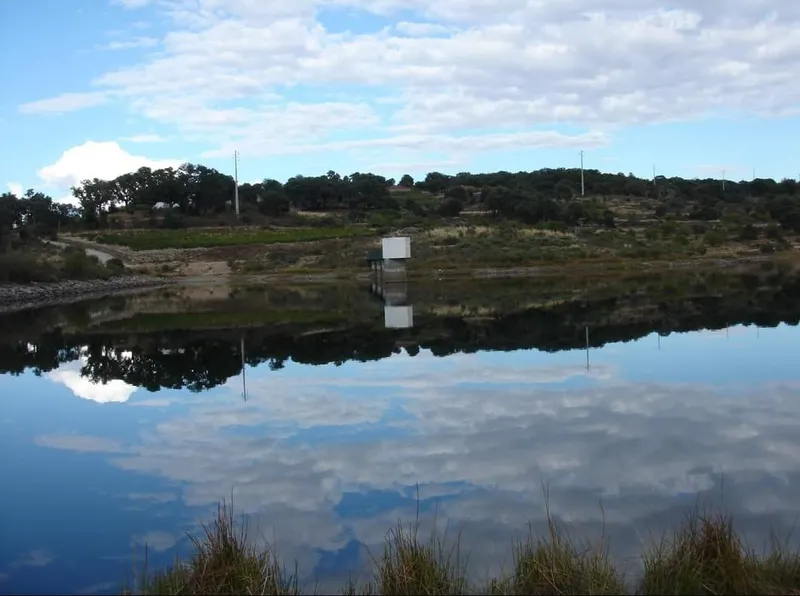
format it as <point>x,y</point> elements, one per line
<point>328,413</point>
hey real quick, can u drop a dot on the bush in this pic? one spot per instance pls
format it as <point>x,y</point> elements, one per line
<point>174,221</point>
<point>79,265</point>
<point>774,232</point>
<point>415,207</point>
<point>748,233</point>
<point>21,268</point>
<point>450,207</point>
<point>115,266</point>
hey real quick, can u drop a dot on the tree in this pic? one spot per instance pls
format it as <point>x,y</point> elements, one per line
<point>542,195</point>
<point>450,207</point>
<point>435,182</point>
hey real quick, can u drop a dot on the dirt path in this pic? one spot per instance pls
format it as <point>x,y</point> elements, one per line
<point>102,256</point>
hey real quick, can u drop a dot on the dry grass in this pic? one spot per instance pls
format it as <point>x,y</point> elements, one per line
<point>459,231</point>
<point>409,566</point>
<point>703,556</point>
<point>706,556</point>
<point>223,563</point>
<point>558,565</point>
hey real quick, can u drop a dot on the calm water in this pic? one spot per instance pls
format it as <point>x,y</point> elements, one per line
<point>126,421</point>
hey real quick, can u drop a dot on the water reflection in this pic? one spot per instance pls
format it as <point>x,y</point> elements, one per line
<point>346,423</point>
<point>397,312</point>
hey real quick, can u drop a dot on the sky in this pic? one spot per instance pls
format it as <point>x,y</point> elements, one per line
<point>102,87</point>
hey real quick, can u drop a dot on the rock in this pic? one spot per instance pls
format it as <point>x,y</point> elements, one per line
<point>22,296</point>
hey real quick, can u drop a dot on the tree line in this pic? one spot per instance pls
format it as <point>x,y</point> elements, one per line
<point>532,197</point>
<point>203,359</point>
<point>33,215</point>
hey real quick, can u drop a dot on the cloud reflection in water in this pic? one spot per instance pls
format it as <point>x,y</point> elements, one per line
<point>327,457</point>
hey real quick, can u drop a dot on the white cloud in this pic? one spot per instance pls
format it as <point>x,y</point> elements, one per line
<point>104,160</point>
<point>15,188</point>
<point>453,69</point>
<point>145,138</point>
<point>421,29</point>
<point>484,435</point>
<point>114,391</point>
<point>137,42</point>
<point>68,102</point>
<point>156,540</point>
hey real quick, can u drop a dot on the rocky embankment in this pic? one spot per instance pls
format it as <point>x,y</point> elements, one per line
<point>23,296</point>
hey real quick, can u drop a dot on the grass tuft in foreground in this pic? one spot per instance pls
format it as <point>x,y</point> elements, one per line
<point>703,556</point>
<point>706,556</point>
<point>410,566</point>
<point>558,565</point>
<point>223,563</point>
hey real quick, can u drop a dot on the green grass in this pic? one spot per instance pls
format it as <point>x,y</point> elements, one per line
<point>703,556</point>
<point>162,239</point>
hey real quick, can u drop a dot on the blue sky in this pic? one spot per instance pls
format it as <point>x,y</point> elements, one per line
<point>397,86</point>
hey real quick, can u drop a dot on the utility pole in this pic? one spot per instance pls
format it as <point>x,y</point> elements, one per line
<point>723,179</point>
<point>587,347</point>
<point>236,181</point>
<point>582,186</point>
<point>654,174</point>
<point>244,382</point>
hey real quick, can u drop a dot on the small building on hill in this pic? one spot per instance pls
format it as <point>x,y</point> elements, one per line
<point>393,254</point>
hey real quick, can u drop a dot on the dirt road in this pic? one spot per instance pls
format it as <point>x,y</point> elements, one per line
<point>102,256</point>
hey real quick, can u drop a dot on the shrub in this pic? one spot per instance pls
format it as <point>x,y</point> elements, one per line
<point>748,233</point>
<point>79,265</point>
<point>115,266</point>
<point>19,267</point>
<point>174,221</point>
<point>450,207</point>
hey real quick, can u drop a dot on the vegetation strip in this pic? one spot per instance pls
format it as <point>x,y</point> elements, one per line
<point>161,239</point>
<point>703,556</point>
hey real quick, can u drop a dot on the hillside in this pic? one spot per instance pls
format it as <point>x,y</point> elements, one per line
<point>184,221</point>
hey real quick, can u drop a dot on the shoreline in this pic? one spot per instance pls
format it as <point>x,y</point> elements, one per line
<point>415,273</point>
<point>17,297</point>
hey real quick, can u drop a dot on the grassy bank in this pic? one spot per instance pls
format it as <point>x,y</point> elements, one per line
<point>450,244</point>
<point>45,263</point>
<point>211,238</point>
<point>703,556</point>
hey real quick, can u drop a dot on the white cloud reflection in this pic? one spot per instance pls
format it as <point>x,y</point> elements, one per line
<point>113,391</point>
<point>484,438</point>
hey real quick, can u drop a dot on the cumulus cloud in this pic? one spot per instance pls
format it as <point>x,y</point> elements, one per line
<point>421,29</point>
<point>69,375</point>
<point>228,70</point>
<point>92,159</point>
<point>15,188</point>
